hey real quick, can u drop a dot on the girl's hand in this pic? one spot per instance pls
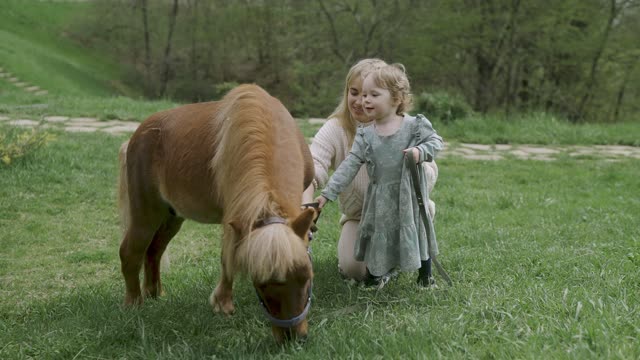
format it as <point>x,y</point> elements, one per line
<point>415,152</point>
<point>321,200</point>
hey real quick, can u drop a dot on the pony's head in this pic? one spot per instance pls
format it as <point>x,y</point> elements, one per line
<point>276,257</point>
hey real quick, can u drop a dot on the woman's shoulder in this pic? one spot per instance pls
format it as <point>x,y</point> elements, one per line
<point>331,128</point>
<point>332,125</point>
<point>418,121</point>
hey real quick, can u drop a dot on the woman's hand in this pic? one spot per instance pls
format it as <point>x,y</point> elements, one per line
<point>415,152</point>
<point>321,200</point>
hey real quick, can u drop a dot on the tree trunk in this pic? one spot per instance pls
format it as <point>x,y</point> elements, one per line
<point>511,62</point>
<point>623,88</point>
<point>335,48</point>
<point>166,64</point>
<point>586,97</point>
<point>147,45</point>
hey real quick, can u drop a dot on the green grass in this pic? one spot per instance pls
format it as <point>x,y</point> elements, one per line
<point>17,104</point>
<point>34,46</point>
<point>544,255</point>
<point>539,128</point>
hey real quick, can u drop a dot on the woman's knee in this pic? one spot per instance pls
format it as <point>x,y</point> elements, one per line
<point>353,270</point>
<point>347,264</point>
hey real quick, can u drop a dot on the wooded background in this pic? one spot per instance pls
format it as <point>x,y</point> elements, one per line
<point>575,58</point>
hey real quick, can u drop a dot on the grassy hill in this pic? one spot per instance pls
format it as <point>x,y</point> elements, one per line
<point>34,47</point>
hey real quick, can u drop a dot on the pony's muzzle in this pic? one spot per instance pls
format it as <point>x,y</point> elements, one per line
<point>297,333</point>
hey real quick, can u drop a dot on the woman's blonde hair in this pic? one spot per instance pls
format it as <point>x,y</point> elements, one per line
<point>342,113</point>
<point>394,78</point>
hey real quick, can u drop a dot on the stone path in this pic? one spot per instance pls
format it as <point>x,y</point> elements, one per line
<point>35,90</point>
<point>75,124</point>
<point>467,151</point>
<point>539,152</point>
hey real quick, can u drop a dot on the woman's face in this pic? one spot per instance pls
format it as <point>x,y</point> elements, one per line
<point>354,100</point>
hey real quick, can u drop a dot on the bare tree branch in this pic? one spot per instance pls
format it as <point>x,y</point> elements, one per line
<point>167,50</point>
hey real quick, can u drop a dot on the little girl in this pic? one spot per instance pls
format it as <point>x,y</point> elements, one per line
<point>391,235</point>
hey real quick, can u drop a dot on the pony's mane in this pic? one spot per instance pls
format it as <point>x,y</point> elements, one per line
<point>271,253</point>
<point>244,153</point>
<point>245,143</point>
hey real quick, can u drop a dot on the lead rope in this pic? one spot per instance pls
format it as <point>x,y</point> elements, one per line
<point>408,158</point>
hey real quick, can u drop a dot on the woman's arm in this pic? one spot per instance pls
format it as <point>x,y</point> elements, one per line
<point>429,143</point>
<point>324,148</point>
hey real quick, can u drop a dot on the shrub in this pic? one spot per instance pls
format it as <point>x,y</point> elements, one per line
<point>16,143</point>
<point>442,106</point>
<point>221,89</point>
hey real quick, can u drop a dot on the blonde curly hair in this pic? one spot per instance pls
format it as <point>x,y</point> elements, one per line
<point>394,78</point>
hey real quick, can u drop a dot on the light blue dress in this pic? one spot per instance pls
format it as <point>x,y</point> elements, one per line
<point>391,235</point>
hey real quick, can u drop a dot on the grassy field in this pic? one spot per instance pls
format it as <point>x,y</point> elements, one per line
<point>544,256</point>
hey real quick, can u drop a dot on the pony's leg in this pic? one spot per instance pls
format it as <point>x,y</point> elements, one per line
<point>152,284</point>
<point>132,251</point>
<point>221,298</point>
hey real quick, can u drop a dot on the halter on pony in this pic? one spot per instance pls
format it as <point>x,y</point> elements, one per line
<point>286,323</point>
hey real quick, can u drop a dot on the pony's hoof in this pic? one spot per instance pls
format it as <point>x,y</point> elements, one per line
<point>224,307</point>
<point>130,301</point>
<point>153,293</point>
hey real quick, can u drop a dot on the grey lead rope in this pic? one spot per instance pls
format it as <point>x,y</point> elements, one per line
<point>410,163</point>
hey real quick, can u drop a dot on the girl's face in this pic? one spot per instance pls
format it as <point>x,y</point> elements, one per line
<point>377,102</point>
<point>354,100</point>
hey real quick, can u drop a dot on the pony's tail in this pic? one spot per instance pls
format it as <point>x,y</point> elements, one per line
<point>123,189</point>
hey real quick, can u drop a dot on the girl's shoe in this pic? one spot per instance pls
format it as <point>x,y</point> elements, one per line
<point>371,280</point>
<point>384,279</point>
<point>426,281</point>
<point>425,277</point>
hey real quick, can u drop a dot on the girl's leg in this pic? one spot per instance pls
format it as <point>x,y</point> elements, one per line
<point>348,266</point>
<point>425,276</point>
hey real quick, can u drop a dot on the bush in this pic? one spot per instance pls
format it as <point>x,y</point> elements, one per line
<point>16,143</point>
<point>221,89</point>
<point>442,106</point>
<point>317,89</point>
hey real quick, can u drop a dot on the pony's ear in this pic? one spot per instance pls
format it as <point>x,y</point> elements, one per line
<point>302,223</point>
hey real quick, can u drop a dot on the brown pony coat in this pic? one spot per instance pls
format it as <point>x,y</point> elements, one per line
<point>233,162</point>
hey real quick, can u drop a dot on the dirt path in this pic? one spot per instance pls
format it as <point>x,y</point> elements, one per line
<point>467,151</point>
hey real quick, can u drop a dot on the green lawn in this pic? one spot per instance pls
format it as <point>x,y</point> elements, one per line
<point>36,47</point>
<point>544,256</point>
